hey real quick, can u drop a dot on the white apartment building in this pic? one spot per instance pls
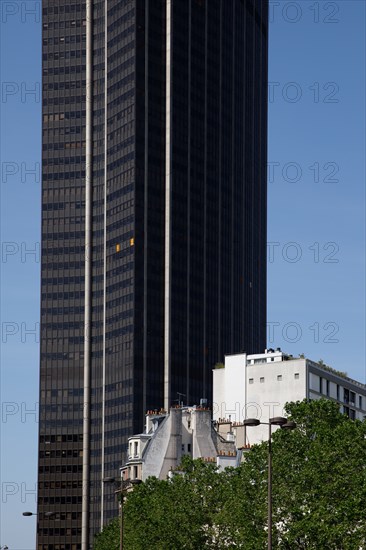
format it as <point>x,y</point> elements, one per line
<point>259,385</point>
<point>182,431</point>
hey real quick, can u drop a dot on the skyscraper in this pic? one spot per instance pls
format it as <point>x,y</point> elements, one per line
<point>153,227</point>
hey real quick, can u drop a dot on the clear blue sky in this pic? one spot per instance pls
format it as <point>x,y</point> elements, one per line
<point>316,213</point>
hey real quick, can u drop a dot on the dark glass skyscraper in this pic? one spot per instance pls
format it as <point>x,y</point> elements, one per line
<point>153,227</point>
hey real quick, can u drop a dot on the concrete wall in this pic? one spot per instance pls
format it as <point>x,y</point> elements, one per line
<point>226,462</point>
<point>173,454</point>
<point>258,390</point>
<point>157,450</point>
<point>164,451</point>
<point>203,445</point>
<point>229,388</point>
<point>269,387</point>
<point>240,435</point>
<point>187,432</point>
<point>219,391</point>
<point>220,442</point>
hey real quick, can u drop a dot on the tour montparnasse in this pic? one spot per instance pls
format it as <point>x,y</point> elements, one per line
<point>153,227</point>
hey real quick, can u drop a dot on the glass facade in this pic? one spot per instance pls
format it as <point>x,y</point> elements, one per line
<point>217,224</point>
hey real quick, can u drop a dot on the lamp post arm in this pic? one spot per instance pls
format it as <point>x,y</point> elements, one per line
<point>285,424</point>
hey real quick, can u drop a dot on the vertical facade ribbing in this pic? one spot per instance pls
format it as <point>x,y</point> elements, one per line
<point>211,228</point>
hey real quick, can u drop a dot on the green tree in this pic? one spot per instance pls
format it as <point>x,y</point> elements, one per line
<point>108,539</point>
<point>319,484</point>
<point>173,514</point>
<point>320,479</point>
<point>319,494</point>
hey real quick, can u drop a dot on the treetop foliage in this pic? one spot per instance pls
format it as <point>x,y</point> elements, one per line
<point>319,494</point>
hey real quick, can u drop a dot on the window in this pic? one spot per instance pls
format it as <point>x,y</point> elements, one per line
<point>327,385</point>
<point>296,375</point>
<point>251,380</point>
<point>189,447</point>
<point>320,384</point>
<point>352,397</point>
<point>182,447</point>
<point>360,401</point>
<point>279,377</point>
<point>261,380</point>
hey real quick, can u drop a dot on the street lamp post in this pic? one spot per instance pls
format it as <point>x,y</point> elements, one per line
<point>124,484</point>
<point>285,425</point>
<point>45,514</point>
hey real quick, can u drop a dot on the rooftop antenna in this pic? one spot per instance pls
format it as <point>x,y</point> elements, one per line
<point>180,400</point>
